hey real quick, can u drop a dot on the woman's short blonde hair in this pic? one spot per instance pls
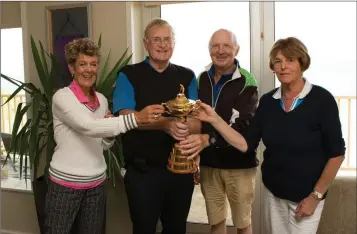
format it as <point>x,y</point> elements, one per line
<point>84,46</point>
<point>290,47</point>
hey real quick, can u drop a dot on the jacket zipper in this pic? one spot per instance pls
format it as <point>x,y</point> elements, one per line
<point>210,79</point>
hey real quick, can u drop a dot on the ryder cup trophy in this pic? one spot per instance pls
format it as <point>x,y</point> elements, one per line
<point>181,108</point>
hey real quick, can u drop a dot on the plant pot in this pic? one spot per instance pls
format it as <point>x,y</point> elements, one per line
<point>40,190</point>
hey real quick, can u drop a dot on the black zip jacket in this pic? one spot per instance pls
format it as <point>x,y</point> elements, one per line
<point>236,103</point>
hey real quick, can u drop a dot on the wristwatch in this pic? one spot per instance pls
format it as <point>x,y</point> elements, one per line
<point>318,195</point>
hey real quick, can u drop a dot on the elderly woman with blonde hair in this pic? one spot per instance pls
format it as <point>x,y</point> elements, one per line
<point>78,169</point>
<point>300,127</point>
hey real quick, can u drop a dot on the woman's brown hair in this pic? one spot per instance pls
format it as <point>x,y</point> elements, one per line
<point>290,47</point>
<point>84,46</point>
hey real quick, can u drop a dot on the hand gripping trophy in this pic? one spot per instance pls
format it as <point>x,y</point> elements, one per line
<point>181,108</point>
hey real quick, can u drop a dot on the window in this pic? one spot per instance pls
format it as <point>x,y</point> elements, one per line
<point>200,20</point>
<point>12,65</point>
<point>333,54</point>
<point>193,32</point>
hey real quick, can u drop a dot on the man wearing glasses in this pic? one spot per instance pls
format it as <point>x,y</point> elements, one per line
<point>153,191</point>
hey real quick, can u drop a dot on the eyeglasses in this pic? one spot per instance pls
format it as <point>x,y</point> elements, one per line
<point>159,40</point>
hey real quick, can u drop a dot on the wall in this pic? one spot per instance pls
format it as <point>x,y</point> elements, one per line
<point>10,15</point>
<point>109,19</point>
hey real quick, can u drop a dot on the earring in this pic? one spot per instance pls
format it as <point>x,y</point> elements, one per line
<point>72,75</point>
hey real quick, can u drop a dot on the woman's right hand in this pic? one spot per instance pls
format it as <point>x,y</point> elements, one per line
<point>207,114</point>
<point>149,114</point>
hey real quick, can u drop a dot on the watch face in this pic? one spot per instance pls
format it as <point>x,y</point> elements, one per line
<point>318,195</point>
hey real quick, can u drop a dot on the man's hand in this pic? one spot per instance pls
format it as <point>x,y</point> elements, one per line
<point>306,207</point>
<point>109,115</point>
<point>177,129</point>
<point>194,144</point>
<point>149,114</point>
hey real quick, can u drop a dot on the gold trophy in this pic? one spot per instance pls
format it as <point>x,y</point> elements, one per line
<point>181,108</point>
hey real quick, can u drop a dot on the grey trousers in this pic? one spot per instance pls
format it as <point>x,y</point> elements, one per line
<point>65,205</point>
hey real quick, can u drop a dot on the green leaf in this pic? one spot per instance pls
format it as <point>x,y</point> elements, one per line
<point>113,179</point>
<point>100,41</point>
<point>15,82</point>
<point>49,150</point>
<point>43,57</point>
<point>20,112</point>
<point>116,165</point>
<point>39,67</point>
<point>119,147</point>
<point>37,159</point>
<point>34,136</point>
<point>36,101</point>
<point>12,80</point>
<point>108,162</point>
<point>118,63</point>
<point>110,80</point>
<point>22,152</point>
<point>14,93</point>
<point>15,145</point>
<point>104,71</point>
<point>52,78</point>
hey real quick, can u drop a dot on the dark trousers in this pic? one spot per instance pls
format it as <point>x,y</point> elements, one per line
<point>158,194</point>
<point>65,205</point>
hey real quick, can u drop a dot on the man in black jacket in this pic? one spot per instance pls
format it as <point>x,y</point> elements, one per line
<point>225,171</point>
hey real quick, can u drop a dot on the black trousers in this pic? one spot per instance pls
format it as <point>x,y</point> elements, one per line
<point>158,194</point>
<point>65,205</point>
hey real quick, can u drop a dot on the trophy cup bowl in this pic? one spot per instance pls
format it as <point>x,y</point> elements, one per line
<point>181,108</point>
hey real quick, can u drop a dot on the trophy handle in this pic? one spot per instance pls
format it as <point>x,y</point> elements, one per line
<point>167,111</point>
<point>197,105</point>
<point>164,104</point>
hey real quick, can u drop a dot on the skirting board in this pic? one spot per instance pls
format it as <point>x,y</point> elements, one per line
<point>3,231</point>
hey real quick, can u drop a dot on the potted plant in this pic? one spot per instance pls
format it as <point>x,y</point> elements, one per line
<point>35,138</point>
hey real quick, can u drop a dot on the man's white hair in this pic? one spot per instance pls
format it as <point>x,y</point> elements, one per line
<point>157,22</point>
<point>233,38</point>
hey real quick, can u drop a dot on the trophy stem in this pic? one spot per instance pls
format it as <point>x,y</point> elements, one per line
<point>182,119</point>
